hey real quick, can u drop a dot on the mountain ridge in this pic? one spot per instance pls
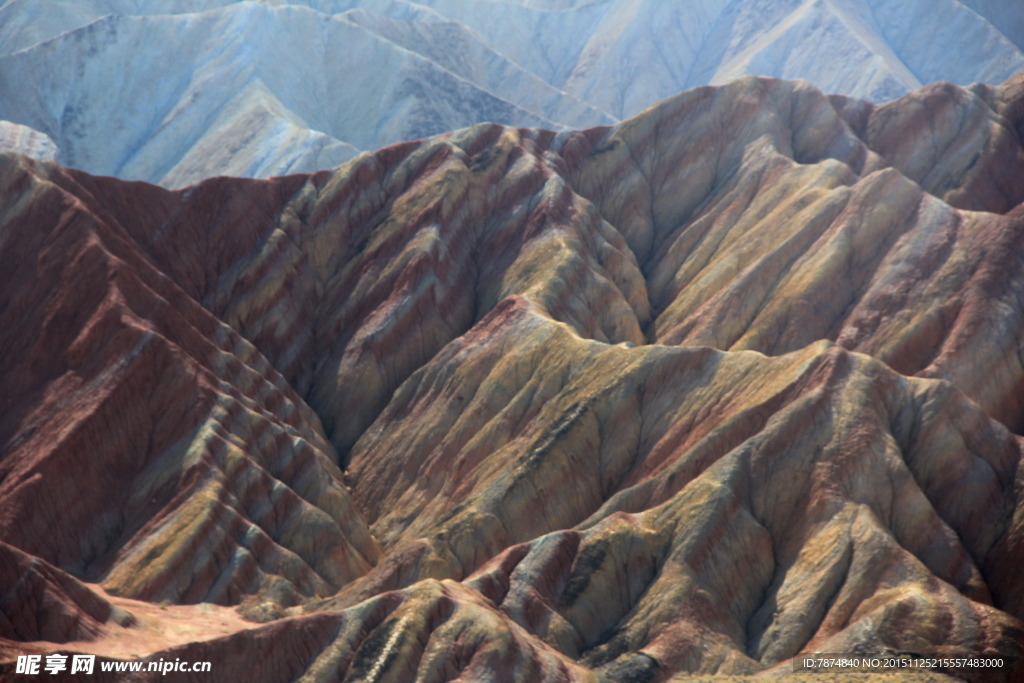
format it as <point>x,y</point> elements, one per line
<point>313,418</point>
<point>519,65</point>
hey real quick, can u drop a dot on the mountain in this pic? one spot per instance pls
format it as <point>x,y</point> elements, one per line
<point>174,92</point>
<point>734,380</point>
<point>24,140</point>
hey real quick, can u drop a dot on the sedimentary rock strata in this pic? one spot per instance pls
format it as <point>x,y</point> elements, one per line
<point>137,426</point>
<point>735,380</point>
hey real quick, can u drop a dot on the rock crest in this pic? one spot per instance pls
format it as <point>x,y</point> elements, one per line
<point>736,379</point>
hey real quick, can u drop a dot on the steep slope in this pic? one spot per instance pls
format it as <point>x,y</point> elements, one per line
<point>361,279</point>
<point>759,252</point>
<point>734,509</point>
<point>267,100</point>
<point>619,404</point>
<point>41,602</point>
<point>146,444</point>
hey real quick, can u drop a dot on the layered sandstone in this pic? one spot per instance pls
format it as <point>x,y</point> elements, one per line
<point>735,380</point>
<point>146,442</point>
<point>41,602</point>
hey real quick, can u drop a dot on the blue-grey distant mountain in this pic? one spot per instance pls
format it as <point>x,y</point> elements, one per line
<point>172,91</point>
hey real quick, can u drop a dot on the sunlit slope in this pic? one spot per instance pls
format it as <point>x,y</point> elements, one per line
<point>734,380</point>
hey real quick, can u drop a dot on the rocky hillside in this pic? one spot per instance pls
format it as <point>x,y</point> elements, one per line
<point>175,91</point>
<point>737,379</point>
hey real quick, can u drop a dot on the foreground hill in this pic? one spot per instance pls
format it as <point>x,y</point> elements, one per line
<point>734,380</point>
<point>214,87</point>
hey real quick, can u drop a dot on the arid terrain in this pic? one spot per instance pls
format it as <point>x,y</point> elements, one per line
<point>176,91</point>
<point>737,379</point>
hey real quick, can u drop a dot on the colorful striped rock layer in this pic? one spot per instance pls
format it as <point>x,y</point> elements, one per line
<point>736,380</point>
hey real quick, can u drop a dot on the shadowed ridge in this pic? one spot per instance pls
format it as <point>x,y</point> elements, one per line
<point>40,602</point>
<point>198,474</point>
<point>530,486</point>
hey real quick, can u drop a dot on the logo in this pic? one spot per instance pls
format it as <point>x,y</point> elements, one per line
<point>31,664</point>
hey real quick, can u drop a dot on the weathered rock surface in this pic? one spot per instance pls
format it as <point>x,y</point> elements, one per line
<point>634,446</point>
<point>40,602</point>
<point>145,443</point>
<point>789,228</point>
<point>270,101</point>
<point>24,140</point>
<point>735,380</point>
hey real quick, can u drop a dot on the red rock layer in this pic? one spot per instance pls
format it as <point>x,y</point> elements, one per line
<point>542,360</point>
<point>146,444</point>
<point>40,602</point>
